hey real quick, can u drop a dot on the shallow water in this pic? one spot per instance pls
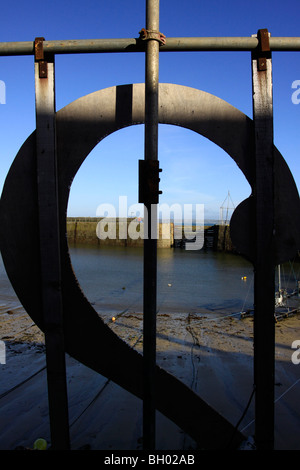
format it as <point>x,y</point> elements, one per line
<point>187,281</point>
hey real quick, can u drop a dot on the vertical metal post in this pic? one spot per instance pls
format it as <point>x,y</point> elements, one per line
<point>150,242</point>
<point>50,247</point>
<point>264,287</point>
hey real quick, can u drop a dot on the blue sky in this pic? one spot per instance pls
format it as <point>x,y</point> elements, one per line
<point>195,171</point>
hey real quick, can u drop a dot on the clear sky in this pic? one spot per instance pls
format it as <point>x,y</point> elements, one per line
<point>195,171</point>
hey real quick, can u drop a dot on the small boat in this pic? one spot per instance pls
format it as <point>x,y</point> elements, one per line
<point>287,303</point>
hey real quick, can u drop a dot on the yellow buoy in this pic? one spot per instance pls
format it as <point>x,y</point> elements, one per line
<point>40,444</point>
<point>113,319</point>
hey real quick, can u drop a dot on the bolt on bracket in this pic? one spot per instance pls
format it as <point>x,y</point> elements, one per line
<point>149,181</point>
<point>147,34</point>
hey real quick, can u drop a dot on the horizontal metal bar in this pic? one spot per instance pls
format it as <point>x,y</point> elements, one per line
<point>228,44</point>
<point>136,45</point>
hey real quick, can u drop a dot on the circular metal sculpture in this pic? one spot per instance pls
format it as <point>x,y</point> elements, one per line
<point>80,127</point>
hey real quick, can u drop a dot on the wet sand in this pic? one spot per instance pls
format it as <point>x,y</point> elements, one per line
<point>210,352</point>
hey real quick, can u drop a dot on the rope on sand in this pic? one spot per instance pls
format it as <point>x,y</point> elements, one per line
<point>275,401</point>
<point>4,394</point>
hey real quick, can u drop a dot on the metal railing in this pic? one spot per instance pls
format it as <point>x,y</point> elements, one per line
<point>152,47</point>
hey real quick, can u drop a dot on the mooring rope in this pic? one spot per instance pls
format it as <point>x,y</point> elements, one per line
<point>275,401</point>
<point>4,394</point>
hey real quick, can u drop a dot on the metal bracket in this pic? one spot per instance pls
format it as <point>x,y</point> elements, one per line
<point>264,51</point>
<point>39,57</point>
<point>146,34</point>
<point>149,181</point>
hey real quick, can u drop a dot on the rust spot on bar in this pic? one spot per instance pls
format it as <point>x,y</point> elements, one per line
<point>39,57</point>
<point>263,48</point>
<point>147,34</point>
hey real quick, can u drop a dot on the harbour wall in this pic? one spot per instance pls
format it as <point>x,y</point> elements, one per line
<point>129,232</point>
<point>115,232</point>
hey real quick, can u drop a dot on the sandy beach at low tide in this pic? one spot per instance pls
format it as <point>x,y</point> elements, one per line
<point>211,353</point>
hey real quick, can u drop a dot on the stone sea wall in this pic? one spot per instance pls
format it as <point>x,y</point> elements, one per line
<point>222,238</point>
<point>129,232</point>
<point>120,232</point>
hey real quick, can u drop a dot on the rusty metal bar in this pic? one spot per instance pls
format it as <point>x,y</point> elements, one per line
<point>180,44</point>
<point>264,266</point>
<point>150,241</point>
<point>49,243</point>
